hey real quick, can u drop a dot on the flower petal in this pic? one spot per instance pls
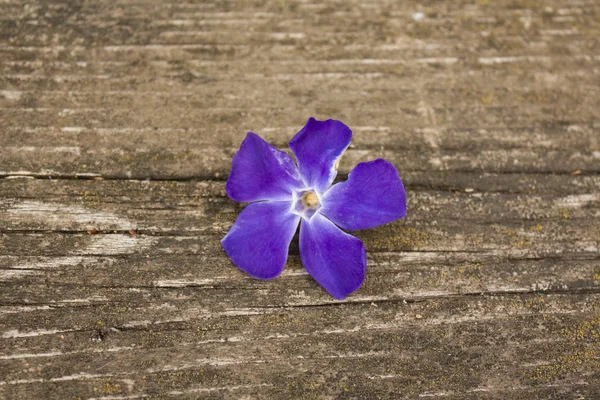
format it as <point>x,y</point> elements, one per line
<point>258,242</point>
<point>317,147</point>
<point>373,195</point>
<point>335,259</point>
<point>259,171</point>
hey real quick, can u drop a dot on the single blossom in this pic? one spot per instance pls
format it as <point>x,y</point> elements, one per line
<point>283,194</point>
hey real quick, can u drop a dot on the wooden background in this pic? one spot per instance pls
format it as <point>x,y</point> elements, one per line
<point>118,121</point>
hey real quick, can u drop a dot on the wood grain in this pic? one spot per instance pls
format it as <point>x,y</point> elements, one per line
<point>118,121</point>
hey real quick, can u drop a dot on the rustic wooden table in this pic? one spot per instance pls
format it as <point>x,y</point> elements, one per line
<point>118,121</point>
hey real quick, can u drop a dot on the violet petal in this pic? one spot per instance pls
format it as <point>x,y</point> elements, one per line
<point>317,147</point>
<point>259,171</point>
<point>335,259</point>
<point>373,195</point>
<point>258,242</point>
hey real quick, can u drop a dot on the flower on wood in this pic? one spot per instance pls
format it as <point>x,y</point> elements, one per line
<point>284,194</point>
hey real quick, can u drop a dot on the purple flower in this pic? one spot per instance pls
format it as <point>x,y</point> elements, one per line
<point>283,195</point>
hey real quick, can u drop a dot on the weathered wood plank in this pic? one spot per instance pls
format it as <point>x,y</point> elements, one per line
<point>23,73</point>
<point>216,356</point>
<point>187,191</point>
<point>71,296</point>
<point>502,242</point>
<point>382,87</point>
<point>119,24</point>
<point>112,286</point>
<point>156,207</point>
<point>214,162</point>
<point>543,234</point>
<point>46,187</point>
<point>568,135</point>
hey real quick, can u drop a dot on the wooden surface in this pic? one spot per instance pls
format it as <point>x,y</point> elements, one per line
<point>118,121</point>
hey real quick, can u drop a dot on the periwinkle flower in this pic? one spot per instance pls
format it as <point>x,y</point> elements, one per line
<point>283,195</point>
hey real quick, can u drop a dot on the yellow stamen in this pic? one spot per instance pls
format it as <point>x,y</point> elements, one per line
<point>311,199</point>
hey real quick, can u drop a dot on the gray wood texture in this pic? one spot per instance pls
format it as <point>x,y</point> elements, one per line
<point>118,121</point>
